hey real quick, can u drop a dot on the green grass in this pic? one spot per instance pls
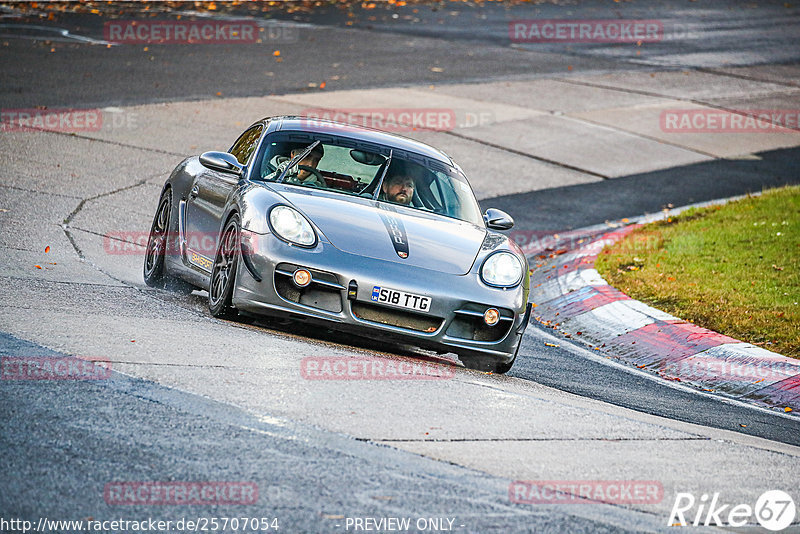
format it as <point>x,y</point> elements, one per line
<point>734,269</point>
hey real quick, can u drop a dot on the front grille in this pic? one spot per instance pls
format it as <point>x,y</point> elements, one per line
<point>389,316</point>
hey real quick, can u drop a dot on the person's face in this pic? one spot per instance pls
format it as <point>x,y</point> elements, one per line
<point>399,189</point>
<point>312,160</point>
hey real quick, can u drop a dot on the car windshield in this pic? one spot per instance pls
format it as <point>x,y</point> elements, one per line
<point>363,169</point>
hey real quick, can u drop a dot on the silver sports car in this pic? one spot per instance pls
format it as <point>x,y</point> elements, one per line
<point>353,228</point>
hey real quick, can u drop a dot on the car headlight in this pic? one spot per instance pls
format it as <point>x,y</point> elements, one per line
<point>290,225</point>
<point>501,269</point>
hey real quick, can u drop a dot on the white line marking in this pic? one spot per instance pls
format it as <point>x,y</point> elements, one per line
<point>568,345</point>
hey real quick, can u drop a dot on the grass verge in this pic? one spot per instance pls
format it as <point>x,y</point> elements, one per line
<point>734,269</point>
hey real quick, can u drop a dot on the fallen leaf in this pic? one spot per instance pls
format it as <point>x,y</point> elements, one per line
<point>787,409</point>
<point>276,53</point>
<point>322,85</point>
<point>550,345</point>
<point>38,266</point>
<point>437,69</point>
<point>743,426</point>
<point>47,249</point>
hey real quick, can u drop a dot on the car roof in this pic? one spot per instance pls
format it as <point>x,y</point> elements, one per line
<point>324,126</point>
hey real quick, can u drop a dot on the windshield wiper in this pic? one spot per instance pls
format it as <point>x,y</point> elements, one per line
<point>383,175</point>
<point>297,159</point>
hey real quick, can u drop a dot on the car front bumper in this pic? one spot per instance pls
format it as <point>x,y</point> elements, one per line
<point>454,322</point>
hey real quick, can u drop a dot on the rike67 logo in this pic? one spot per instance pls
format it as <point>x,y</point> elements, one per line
<point>774,510</point>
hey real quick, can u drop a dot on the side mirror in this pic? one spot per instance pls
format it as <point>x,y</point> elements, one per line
<point>498,220</point>
<point>222,162</point>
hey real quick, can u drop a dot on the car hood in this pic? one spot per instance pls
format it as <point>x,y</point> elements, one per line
<point>385,231</point>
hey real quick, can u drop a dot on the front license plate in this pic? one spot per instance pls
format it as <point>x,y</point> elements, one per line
<point>401,299</point>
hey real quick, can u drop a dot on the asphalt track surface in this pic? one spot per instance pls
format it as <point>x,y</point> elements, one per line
<point>182,432</point>
<point>370,53</point>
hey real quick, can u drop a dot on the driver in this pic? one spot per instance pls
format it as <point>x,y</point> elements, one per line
<point>298,175</point>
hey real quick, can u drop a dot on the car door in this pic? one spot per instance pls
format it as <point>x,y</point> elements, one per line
<point>207,200</point>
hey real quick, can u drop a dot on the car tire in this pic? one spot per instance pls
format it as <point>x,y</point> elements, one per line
<point>158,246</point>
<point>223,272</point>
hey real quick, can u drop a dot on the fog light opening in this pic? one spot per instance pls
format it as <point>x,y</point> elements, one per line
<point>301,278</point>
<point>491,316</point>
